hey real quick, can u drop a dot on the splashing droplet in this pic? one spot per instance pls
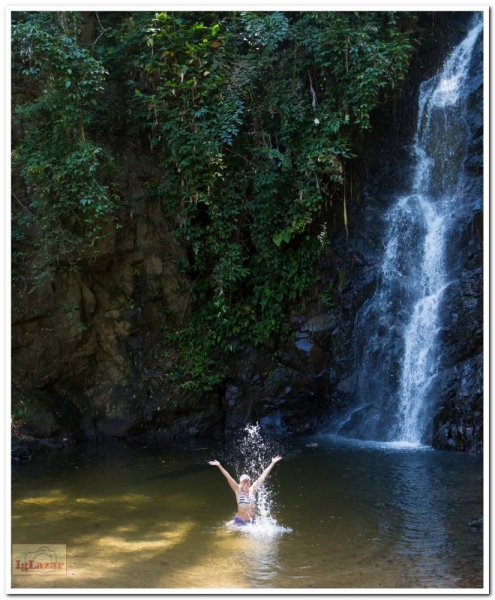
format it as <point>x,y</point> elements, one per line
<point>256,454</point>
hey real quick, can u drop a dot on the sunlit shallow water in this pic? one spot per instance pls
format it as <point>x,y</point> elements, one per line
<point>342,514</point>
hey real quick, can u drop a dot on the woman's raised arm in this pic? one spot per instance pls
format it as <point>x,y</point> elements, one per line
<point>265,473</point>
<point>232,482</point>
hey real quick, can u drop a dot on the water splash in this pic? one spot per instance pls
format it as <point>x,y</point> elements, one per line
<point>254,455</point>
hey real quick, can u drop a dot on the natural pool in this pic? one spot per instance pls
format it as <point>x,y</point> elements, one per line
<point>349,515</point>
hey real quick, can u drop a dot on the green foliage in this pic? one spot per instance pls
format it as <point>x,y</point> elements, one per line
<point>17,414</point>
<point>70,309</point>
<point>66,171</point>
<point>196,367</point>
<point>357,55</point>
<point>252,117</point>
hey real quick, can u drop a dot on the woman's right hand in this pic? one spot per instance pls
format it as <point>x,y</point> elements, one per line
<point>214,463</point>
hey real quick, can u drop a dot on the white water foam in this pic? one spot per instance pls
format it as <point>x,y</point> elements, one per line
<point>380,445</point>
<point>448,90</point>
<point>263,527</point>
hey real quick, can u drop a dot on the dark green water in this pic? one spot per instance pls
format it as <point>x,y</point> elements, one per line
<point>348,515</point>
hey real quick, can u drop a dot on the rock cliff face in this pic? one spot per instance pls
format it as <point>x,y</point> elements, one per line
<point>90,342</point>
<point>87,349</point>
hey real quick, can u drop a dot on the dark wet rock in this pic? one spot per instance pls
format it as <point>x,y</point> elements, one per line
<point>25,448</point>
<point>273,423</point>
<point>285,393</point>
<point>476,524</point>
<point>116,426</point>
<point>303,342</point>
<point>19,451</point>
<point>322,322</point>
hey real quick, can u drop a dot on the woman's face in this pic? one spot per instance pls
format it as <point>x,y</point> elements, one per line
<point>245,484</point>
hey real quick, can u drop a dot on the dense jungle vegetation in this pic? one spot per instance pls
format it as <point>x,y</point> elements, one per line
<point>252,119</point>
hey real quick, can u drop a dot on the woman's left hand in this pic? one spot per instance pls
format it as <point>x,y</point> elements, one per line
<point>276,459</point>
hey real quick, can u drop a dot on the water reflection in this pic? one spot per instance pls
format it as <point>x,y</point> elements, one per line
<point>255,555</point>
<point>411,505</point>
<point>260,559</point>
<point>355,516</point>
<point>419,494</point>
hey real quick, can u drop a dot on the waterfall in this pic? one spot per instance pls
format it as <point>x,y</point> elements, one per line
<point>396,342</point>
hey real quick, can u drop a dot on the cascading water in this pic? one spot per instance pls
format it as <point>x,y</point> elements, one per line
<point>397,347</point>
<point>439,151</point>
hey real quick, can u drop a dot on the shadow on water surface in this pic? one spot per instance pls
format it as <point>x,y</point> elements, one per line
<point>356,516</point>
<point>113,541</point>
<point>126,528</point>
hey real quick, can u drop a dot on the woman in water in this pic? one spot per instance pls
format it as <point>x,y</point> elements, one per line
<point>244,491</point>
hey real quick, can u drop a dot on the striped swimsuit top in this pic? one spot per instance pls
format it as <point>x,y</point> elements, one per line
<point>244,500</point>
